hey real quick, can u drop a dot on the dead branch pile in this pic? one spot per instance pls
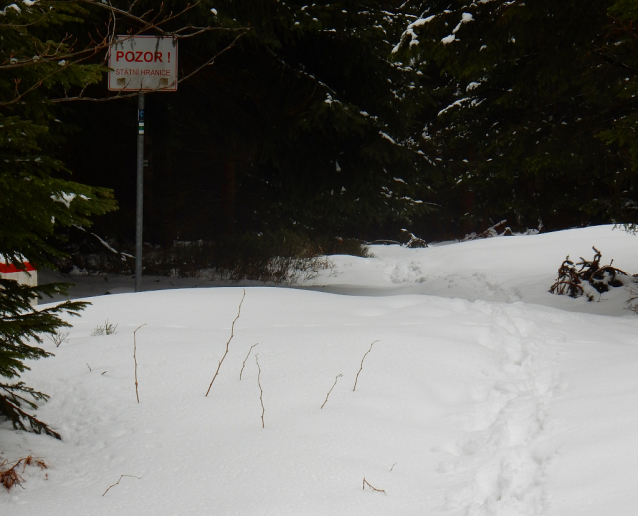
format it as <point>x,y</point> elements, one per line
<point>585,277</point>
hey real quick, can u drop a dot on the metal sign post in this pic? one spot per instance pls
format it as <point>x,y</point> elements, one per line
<point>142,64</point>
<point>139,204</point>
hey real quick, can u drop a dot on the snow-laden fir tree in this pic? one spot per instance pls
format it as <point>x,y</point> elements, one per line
<point>37,199</point>
<point>536,106</point>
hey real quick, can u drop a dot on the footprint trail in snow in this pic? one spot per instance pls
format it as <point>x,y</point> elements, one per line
<point>498,467</point>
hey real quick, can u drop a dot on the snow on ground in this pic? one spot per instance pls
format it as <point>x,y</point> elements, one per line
<point>482,394</point>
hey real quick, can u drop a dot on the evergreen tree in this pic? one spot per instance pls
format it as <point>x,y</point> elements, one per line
<point>305,122</point>
<point>529,94</point>
<point>37,62</point>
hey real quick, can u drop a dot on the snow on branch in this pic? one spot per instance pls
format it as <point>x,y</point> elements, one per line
<point>409,33</point>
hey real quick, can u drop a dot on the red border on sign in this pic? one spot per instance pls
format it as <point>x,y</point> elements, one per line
<point>8,268</point>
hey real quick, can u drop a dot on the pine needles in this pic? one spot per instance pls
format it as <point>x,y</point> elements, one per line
<point>11,403</point>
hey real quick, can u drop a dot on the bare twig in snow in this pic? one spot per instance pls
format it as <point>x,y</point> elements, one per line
<point>364,357</point>
<point>393,466</point>
<point>261,392</point>
<point>232,334</point>
<point>365,482</point>
<point>116,483</point>
<point>244,364</point>
<point>87,365</point>
<point>135,360</point>
<point>333,386</point>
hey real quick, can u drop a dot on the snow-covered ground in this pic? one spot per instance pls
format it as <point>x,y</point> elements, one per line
<point>482,394</point>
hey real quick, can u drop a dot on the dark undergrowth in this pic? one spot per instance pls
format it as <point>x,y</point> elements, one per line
<point>283,257</point>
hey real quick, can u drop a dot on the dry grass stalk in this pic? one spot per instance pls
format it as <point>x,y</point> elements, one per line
<point>261,392</point>
<point>244,364</point>
<point>107,329</point>
<point>360,369</point>
<point>232,334</point>
<point>135,360</point>
<point>116,483</point>
<point>10,477</point>
<point>333,386</point>
<point>393,466</point>
<point>365,482</point>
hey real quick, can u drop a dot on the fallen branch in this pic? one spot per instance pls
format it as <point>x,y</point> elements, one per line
<point>364,357</point>
<point>232,334</point>
<point>244,364</point>
<point>333,386</point>
<point>116,483</point>
<point>261,392</point>
<point>10,477</point>
<point>365,482</point>
<point>135,360</point>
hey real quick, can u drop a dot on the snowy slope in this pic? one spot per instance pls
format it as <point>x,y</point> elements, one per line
<point>475,399</point>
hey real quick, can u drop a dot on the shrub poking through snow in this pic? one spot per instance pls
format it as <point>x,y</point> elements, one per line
<point>59,337</point>
<point>586,278</point>
<point>106,329</point>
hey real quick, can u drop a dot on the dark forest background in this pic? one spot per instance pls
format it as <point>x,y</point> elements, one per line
<point>359,119</point>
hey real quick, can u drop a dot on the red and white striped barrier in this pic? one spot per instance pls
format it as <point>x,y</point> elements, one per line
<point>24,277</point>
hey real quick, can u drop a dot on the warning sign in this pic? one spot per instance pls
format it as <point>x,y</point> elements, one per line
<point>143,63</point>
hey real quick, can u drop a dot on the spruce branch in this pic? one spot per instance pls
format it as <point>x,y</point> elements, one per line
<point>232,334</point>
<point>333,386</point>
<point>10,404</point>
<point>244,364</point>
<point>135,360</point>
<point>360,369</point>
